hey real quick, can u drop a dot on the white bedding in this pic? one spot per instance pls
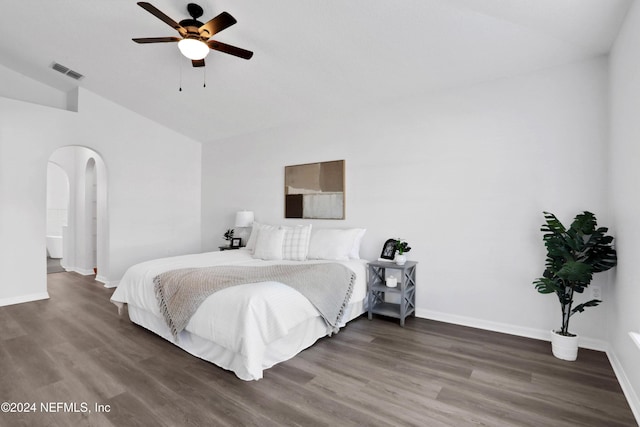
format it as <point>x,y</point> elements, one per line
<point>245,328</point>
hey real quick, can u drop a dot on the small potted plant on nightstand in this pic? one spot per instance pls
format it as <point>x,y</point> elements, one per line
<point>228,235</point>
<point>573,256</point>
<point>402,247</point>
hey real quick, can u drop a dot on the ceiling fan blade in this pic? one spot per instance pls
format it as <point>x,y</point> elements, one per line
<point>197,62</point>
<point>157,39</point>
<point>217,24</point>
<point>161,16</point>
<point>231,50</point>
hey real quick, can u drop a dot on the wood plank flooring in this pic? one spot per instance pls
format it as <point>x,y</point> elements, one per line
<point>75,349</point>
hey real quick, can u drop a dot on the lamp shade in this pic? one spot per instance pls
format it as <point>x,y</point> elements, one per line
<point>244,219</point>
<point>193,49</point>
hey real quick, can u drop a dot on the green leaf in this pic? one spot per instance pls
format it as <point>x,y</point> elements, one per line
<point>575,271</point>
<point>584,223</point>
<point>545,285</point>
<point>580,308</point>
<point>553,225</point>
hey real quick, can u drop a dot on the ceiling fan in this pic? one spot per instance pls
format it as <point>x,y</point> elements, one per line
<point>194,42</point>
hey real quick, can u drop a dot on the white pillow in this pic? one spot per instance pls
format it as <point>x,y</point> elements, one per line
<point>331,243</point>
<point>355,249</point>
<point>296,242</point>
<point>269,243</point>
<point>251,243</point>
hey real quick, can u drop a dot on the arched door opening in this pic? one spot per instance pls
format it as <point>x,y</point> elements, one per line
<point>85,235</point>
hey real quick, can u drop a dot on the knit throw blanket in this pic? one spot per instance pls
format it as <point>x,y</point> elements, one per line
<point>180,292</point>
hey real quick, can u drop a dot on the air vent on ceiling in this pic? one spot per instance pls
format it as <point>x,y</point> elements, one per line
<point>67,71</point>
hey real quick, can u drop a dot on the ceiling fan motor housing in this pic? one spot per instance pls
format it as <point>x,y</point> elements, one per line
<point>193,29</point>
<point>190,23</point>
<point>193,25</point>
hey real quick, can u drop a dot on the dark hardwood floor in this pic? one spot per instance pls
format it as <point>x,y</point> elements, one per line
<point>73,349</point>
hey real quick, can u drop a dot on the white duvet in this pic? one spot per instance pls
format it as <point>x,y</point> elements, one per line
<point>246,322</point>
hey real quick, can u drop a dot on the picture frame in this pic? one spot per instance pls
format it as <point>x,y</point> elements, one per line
<point>389,250</point>
<point>236,242</point>
<point>315,190</point>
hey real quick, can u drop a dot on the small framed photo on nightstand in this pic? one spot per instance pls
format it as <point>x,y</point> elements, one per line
<point>236,242</point>
<point>389,250</point>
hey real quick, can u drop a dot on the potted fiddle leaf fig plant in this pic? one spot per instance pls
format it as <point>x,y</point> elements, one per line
<point>574,255</point>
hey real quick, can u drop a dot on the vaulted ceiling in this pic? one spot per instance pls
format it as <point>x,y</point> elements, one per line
<point>312,58</point>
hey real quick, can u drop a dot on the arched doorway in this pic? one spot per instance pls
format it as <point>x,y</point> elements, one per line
<point>85,236</point>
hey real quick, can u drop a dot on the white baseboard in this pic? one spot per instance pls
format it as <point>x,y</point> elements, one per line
<point>24,298</point>
<point>99,278</point>
<point>538,334</point>
<point>82,271</point>
<point>106,282</point>
<point>625,384</point>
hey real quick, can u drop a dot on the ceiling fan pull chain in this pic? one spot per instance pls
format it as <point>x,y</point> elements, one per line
<point>204,77</point>
<point>180,62</point>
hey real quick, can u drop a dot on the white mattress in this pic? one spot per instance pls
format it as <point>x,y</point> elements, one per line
<point>246,328</point>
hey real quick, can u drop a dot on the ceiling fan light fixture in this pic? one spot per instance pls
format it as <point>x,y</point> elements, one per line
<point>193,49</point>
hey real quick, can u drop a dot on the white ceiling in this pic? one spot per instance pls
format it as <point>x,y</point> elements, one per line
<point>312,58</point>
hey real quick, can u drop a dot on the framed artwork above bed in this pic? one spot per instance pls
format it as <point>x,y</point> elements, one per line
<point>315,190</point>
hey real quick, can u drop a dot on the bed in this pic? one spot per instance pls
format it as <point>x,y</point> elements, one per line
<point>250,327</point>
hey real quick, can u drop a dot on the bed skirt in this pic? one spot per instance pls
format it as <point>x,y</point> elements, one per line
<point>299,338</point>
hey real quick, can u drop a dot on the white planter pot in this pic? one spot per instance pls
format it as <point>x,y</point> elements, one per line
<point>401,259</point>
<point>565,348</point>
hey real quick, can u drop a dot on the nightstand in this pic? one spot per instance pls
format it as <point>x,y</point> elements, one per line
<point>228,248</point>
<point>405,290</point>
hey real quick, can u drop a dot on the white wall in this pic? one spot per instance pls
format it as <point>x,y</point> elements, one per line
<point>57,199</point>
<point>625,202</point>
<point>464,176</point>
<point>17,86</point>
<point>153,195</point>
